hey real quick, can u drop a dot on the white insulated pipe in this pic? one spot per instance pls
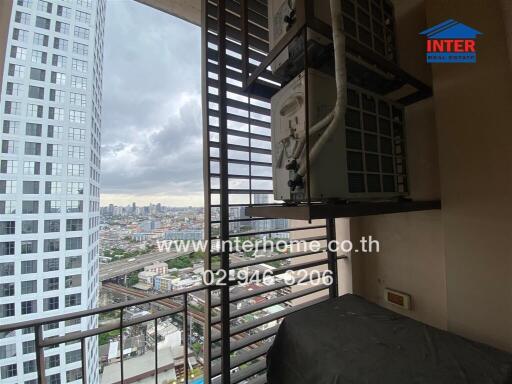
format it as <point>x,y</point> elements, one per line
<point>336,117</point>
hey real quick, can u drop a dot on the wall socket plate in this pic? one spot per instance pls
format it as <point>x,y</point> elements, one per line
<point>398,299</point>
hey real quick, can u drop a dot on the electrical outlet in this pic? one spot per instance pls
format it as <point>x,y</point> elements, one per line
<point>399,299</point>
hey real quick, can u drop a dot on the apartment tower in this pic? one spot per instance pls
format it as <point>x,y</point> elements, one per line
<point>51,91</point>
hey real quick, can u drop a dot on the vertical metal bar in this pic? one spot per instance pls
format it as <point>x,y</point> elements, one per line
<point>244,16</point>
<point>332,256</point>
<point>156,350</point>
<point>84,360</point>
<point>185,335</point>
<point>224,194</point>
<point>249,129</point>
<point>121,346</point>
<point>306,103</point>
<point>207,183</point>
<point>41,379</point>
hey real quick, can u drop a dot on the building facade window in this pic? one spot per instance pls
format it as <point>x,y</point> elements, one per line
<point>20,35</point>
<point>28,307</point>
<point>72,300</point>
<point>29,226</point>
<point>10,127</point>
<point>9,166</point>
<point>39,57</point>
<point>7,248</point>
<point>32,149</point>
<point>51,226</point>
<point>33,129</point>
<point>77,117</point>
<point>61,44</point>
<point>79,82</point>
<point>50,265</point>
<point>53,187</point>
<point>44,6</point>
<point>80,49</point>
<point>63,11</point>
<point>9,147</point>
<point>50,304</point>
<point>51,245</point>
<point>7,227</point>
<point>30,207</point>
<point>12,108</point>
<point>83,17</point>
<point>6,269</point>
<point>7,186</point>
<point>28,266</point>
<point>19,53</point>
<point>22,18</point>
<point>28,246</point>
<point>10,370</point>
<point>75,188</point>
<point>55,131</point>
<point>7,207</point>
<point>73,243</point>
<point>6,289</point>
<point>73,262</point>
<point>52,206</point>
<point>51,284</point>
<point>28,286</point>
<point>79,65</point>
<point>14,89</point>
<point>43,22</point>
<point>82,33</point>
<point>59,61</point>
<point>7,310</point>
<point>62,27</point>
<point>41,39</point>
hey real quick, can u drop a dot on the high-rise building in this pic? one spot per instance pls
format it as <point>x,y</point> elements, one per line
<point>51,90</point>
<point>271,224</point>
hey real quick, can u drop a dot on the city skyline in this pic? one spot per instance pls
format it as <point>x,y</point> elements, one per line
<point>152,137</point>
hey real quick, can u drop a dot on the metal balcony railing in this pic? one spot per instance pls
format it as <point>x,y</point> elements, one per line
<point>173,303</point>
<point>243,319</point>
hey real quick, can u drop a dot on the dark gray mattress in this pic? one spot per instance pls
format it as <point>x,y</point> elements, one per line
<point>349,340</point>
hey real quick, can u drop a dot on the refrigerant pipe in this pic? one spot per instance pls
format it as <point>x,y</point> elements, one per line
<point>336,118</point>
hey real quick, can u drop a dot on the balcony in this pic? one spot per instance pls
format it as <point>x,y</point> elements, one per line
<point>146,318</point>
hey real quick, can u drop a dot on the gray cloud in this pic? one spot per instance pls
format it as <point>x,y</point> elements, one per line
<point>151,103</point>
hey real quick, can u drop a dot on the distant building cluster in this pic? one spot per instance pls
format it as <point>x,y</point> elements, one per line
<point>242,223</point>
<point>136,229</point>
<point>188,234</point>
<point>160,277</point>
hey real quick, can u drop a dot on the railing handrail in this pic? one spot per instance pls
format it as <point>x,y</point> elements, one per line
<point>108,308</point>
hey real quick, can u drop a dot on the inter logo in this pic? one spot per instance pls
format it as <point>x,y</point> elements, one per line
<point>451,42</point>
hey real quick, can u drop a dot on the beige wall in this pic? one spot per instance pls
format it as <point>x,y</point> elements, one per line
<point>5,18</point>
<point>457,262</point>
<point>474,121</point>
<point>344,265</point>
<point>189,10</point>
<point>411,257</point>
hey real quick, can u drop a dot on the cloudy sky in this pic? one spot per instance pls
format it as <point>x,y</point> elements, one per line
<point>152,144</point>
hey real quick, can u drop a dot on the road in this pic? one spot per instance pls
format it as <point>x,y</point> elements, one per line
<point>196,315</point>
<point>123,267</point>
<point>169,303</point>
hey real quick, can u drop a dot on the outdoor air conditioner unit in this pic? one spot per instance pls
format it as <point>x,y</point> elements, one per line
<point>365,159</point>
<point>369,22</point>
<point>281,16</point>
